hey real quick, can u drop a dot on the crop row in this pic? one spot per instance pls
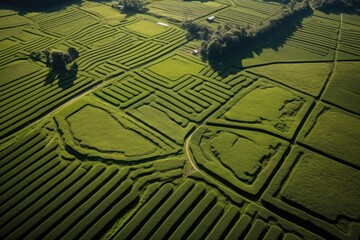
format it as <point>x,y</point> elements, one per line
<point>236,17</point>
<point>181,10</point>
<point>192,97</point>
<point>185,212</point>
<point>43,197</point>
<point>30,98</point>
<point>349,41</point>
<point>259,6</point>
<point>124,93</point>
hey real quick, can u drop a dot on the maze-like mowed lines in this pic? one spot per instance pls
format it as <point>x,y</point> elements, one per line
<point>123,51</point>
<point>179,101</point>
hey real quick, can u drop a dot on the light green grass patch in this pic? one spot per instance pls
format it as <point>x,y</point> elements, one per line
<point>344,88</point>
<point>17,70</point>
<point>175,67</point>
<point>306,77</point>
<point>268,106</point>
<point>95,128</point>
<point>147,28</point>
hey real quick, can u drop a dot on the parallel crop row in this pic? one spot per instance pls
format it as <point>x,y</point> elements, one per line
<point>237,17</point>
<point>186,212</point>
<point>259,6</point>
<point>32,96</point>
<point>180,10</point>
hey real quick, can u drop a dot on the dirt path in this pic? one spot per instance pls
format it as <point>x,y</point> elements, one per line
<point>187,151</point>
<point>331,75</point>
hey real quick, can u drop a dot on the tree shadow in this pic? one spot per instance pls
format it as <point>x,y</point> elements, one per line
<point>65,78</point>
<point>231,63</point>
<point>24,7</point>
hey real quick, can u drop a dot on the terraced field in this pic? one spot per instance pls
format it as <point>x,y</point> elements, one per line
<point>144,140</point>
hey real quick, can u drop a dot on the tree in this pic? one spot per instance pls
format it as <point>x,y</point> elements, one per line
<point>133,5</point>
<point>57,60</point>
<point>74,54</point>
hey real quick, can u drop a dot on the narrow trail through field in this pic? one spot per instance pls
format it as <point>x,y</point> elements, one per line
<point>232,2</point>
<point>336,56</point>
<point>187,150</point>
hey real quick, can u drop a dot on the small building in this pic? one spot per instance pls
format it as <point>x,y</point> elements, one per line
<point>195,52</point>
<point>211,19</point>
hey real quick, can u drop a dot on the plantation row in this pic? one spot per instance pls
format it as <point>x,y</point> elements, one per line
<point>192,212</point>
<point>48,198</point>
<point>349,42</point>
<point>259,6</point>
<point>180,11</point>
<point>316,36</point>
<point>28,97</point>
<point>61,23</point>
<point>236,16</point>
<point>191,96</point>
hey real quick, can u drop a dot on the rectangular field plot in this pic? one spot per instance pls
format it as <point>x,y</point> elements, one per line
<point>146,28</point>
<point>175,67</point>
<point>308,78</point>
<point>180,11</point>
<point>333,132</point>
<point>320,191</point>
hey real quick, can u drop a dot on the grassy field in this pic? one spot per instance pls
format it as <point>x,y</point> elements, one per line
<point>144,140</point>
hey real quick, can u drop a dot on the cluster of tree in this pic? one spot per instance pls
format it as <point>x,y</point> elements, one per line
<point>319,4</point>
<point>232,37</point>
<point>133,5</point>
<point>198,30</point>
<point>56,60</point>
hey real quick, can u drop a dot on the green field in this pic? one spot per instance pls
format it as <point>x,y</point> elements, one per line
<point>140,138</point>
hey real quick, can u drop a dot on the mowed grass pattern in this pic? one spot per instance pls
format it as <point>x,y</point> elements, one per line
<point>164,146</point>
